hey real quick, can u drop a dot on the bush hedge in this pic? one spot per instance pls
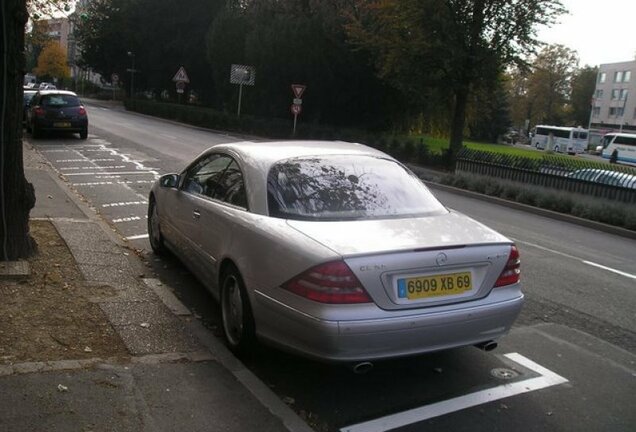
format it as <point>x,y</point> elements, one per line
<point>596,209</point>
<point>403,148</point>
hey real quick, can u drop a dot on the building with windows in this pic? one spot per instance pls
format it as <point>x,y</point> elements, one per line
<point>614,100</point>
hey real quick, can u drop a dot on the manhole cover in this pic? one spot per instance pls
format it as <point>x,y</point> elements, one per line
<point>503,373</point>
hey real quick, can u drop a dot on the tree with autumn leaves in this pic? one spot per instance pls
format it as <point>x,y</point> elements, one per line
<point>52,62</point>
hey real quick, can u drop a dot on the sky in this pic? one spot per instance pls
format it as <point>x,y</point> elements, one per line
<point>602,31</point>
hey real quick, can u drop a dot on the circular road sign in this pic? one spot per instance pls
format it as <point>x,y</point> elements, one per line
<point>296,109</point>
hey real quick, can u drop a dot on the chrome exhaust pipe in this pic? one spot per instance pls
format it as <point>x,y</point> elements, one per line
<point>362,368</point>
<point>487,346</point>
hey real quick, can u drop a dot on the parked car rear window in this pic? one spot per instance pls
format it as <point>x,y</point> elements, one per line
<point>346,187</point>
<point>60,101</point>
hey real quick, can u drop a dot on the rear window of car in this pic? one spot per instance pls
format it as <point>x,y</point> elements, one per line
<point>60,100</point>
<point>346,187</point>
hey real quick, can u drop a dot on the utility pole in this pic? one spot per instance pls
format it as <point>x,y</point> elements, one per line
<point>132,74</point>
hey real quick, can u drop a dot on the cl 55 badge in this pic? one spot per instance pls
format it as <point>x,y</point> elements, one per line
<point>374,267</point>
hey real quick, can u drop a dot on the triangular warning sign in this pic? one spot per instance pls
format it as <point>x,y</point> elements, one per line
<point>181,75</point>
<point>298,90</point>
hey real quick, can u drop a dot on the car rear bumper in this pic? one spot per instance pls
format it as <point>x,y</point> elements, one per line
<point>374,339</point>
<point>61,125</point>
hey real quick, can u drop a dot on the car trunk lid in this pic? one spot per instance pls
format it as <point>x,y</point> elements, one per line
<point>417,262</point>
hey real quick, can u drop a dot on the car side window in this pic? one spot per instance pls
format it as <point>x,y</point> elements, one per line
<point>203,177</point>
<point>231,187</point>
<point>219,177</point>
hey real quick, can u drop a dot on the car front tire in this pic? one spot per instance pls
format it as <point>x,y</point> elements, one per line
<point>154,229</point>
<point>236,313</point>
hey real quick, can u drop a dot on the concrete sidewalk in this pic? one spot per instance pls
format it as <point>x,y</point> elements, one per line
<point>178,375</point>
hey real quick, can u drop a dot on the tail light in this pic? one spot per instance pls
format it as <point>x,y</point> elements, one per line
<point>82,111</point>
<point>332,282</point>
<point>39,111</point>
<point>511,271</point>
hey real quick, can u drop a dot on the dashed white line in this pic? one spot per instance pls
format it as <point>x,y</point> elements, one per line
<point>94,167</point>
<point>111,173</point>
<point>619,272</point>
<point>92,184</point>
<point>125,203</point>
<point>85,160</point>
<point>622,273</point>
<point>127,219</point>
<point>547,378</point>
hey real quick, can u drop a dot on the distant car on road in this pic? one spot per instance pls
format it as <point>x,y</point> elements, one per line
<point>47,86</point>
<point>607,177</point>
<point>56,110</point>
<point>335,251</point>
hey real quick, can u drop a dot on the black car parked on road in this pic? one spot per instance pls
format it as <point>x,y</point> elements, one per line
<point>57,110</point>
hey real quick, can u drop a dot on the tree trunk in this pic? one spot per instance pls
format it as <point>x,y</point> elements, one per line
<point>457,126</point>
<point>17,196</point>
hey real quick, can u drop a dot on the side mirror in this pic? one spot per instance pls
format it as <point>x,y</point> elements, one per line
<point>169,181</point>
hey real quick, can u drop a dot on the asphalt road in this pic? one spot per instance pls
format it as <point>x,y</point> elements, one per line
<point>578,325</point>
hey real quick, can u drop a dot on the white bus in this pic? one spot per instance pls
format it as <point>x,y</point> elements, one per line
<point>623,142</point>
<point>569,140</point>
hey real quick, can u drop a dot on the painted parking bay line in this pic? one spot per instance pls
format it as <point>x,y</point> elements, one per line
<point>546,378</point>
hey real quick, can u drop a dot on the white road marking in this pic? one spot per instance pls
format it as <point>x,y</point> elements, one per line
<point>168,136</point>
<point>104,183</point>
<point>111,173</point>
<point>127,219</point>
<point>547,249</point>
<point>93,167</point>
<point>622,273</point>
<point>123,204</point>
<point>546,379</point>
<point>136,237</point>
<point>619,272</point>
<point>85,160</point>
<point>92,184</point>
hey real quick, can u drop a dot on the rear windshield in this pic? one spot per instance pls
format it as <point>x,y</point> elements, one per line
<point>346,187</point>
<point>60,100</point>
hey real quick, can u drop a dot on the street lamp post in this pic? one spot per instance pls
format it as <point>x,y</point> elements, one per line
<point>132,74</point>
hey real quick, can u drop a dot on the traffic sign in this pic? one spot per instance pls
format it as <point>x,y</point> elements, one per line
<point>296,109</point>
<point>298,90</point>
<point>114,78</point>
<point>181,75</point>
<point>180,86</point>
<point>298,101</point>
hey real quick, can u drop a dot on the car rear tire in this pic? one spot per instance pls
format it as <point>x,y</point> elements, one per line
<point>83,134</point>
<point>35,132</point>
<point>154,229</point>
<point>236,313</point>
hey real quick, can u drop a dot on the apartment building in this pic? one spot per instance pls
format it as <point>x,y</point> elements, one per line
<point>614,99</point>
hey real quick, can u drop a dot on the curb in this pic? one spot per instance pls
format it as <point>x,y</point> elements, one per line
<point>622,232</point>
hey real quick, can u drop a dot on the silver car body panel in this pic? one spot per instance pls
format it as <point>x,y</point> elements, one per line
<point>270,251</point>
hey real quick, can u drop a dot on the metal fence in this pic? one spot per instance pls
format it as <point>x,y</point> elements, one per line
<point>585,177</point>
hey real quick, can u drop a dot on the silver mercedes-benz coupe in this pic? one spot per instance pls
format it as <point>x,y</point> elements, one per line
<point>335,251</point>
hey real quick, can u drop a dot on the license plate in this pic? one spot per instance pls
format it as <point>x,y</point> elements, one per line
<point>434,286</point>
<point>62,124</point>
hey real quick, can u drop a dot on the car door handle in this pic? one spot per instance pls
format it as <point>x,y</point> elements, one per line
<point>196,214</point>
